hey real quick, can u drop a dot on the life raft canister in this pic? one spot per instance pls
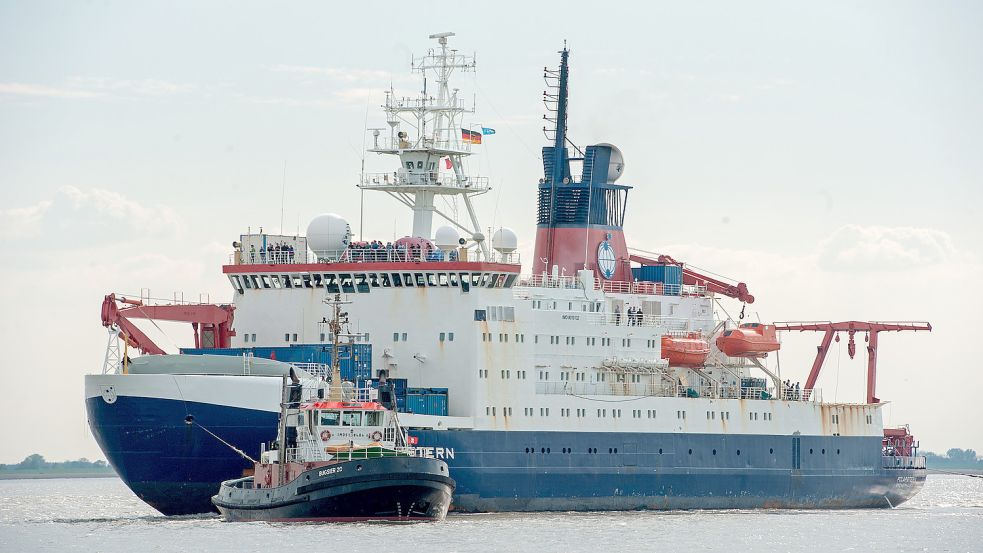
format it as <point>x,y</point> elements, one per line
<point>325,435</point>
<point>376,436</point>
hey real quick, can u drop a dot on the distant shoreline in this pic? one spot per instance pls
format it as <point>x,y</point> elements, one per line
<point>56,475</point>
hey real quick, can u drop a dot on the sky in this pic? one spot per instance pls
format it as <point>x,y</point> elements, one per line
<point>827,154</point>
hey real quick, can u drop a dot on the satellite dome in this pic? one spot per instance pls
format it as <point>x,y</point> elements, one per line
<point>504,241</point>
<point>329,234</point>
<point>446,238</point>
<point>617,164</point>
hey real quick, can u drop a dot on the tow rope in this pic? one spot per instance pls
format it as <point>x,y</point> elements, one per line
<point>191,420</point>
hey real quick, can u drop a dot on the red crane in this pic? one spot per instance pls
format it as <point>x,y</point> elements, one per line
<point>737,291</point>
<point>212,323</point>
<point>851,328</point>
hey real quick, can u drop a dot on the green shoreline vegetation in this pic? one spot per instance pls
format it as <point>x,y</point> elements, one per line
<point>35,466</point>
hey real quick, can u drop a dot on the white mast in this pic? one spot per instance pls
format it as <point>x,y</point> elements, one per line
<point>433,132</point>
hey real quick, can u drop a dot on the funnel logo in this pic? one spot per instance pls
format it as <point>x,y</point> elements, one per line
<point>605,260</point>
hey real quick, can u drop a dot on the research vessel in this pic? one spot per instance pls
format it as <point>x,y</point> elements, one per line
<point>603,377</point>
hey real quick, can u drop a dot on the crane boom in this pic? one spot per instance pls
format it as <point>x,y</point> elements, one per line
<point>212,323</point>
<point>871,328</point>
<point>737,291</point>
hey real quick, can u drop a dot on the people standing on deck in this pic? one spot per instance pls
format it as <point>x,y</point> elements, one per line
<point>798,393</point>
<point>617,315</point>
<point>252,253</point>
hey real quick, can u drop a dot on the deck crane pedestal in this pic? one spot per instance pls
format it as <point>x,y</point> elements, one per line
<point>871,329</point>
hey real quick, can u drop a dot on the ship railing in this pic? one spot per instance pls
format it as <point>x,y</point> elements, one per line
<point>903,462</point>
<point>452,144</point>
<point>363,254</point>
<point>649,288</point>
<point>397,179</point>
<point>614,286</point>
<point>359,451</point>
<point>618,385</point>
<point>674,324</point>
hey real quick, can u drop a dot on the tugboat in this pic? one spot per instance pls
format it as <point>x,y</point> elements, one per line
<point>342,459</point>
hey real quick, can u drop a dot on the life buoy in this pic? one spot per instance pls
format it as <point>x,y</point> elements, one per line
<point>325,435</point>
<point>376,436</point>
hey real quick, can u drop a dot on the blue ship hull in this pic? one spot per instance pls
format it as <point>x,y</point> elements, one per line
<point>176,467</point>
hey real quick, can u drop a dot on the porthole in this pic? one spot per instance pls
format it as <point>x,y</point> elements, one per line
<point>660,451</point>
<point>547,450</point>
<point>542,450</point>
<point>691,452</point>
<point>771,450</point>
<point>615,450</point>
<point>714,451</point>
<point>837,451</point>
<point>810,451</point>
<point>738,452</point>
<point>824,451</point>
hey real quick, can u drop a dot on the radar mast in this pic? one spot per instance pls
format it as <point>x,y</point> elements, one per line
<point>426,133</point>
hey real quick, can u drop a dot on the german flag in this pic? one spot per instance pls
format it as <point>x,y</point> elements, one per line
<point>470,137</point>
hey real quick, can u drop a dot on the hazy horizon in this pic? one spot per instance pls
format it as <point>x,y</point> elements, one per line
<point>826,154</point>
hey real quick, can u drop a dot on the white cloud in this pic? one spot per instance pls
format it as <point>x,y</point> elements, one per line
<point>874,248</point>
<point>27,89</point>
<point>22,221</point>
<point>72,211</point>
<point>137,87</point>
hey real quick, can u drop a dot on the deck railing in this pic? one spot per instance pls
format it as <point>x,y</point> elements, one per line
<point>902,462</point>
<point>613,387</point>
<point>363,254</point>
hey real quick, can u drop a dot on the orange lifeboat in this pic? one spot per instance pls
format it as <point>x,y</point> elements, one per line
<point>685,351</point>
<point>748,340</point>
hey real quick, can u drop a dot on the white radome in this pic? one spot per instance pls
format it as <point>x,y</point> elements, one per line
<point>505,241</point>
<point>617,164</point>
<point>328,232</point>
<point>446,238</point>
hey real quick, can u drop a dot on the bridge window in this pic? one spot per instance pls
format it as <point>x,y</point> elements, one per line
<point>361,283</point>
<point>330,418</point>
<point>384,280</point>
<point>373,280</point>
<point>407,279</point>
<point>419,279</point>
<point>317,280</point>
<point>465,283</point>
<point>330,284</point>
<point>451,278</point>
<point>442,279</point>
<point>397,282</point>
<point>431,279</point>
<point>351,418</point>
<point>347,284</point>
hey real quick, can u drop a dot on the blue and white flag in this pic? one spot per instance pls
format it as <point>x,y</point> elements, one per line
<point>486,130</point>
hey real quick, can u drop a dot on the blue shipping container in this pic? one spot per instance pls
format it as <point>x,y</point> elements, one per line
<point>670,275</point>
<point>427,404</point>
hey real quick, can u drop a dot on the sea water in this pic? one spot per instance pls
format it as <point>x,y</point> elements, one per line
<point>101,514</point>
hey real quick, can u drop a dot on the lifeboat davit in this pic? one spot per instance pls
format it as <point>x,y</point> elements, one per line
<point>748,340</point>
<point>685,351</point>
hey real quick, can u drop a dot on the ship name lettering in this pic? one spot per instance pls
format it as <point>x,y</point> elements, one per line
<point>906,479</point>
<point>570,317</point>
<point>330,471</point>
<point>436,452</point>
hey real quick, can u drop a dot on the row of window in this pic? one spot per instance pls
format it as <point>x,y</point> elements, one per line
<point>603,413</point>
<point>591,307</point>
<point>364,282</point>
<point>502,337</point>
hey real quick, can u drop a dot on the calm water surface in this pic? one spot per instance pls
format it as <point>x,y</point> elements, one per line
<point>102,515</point>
